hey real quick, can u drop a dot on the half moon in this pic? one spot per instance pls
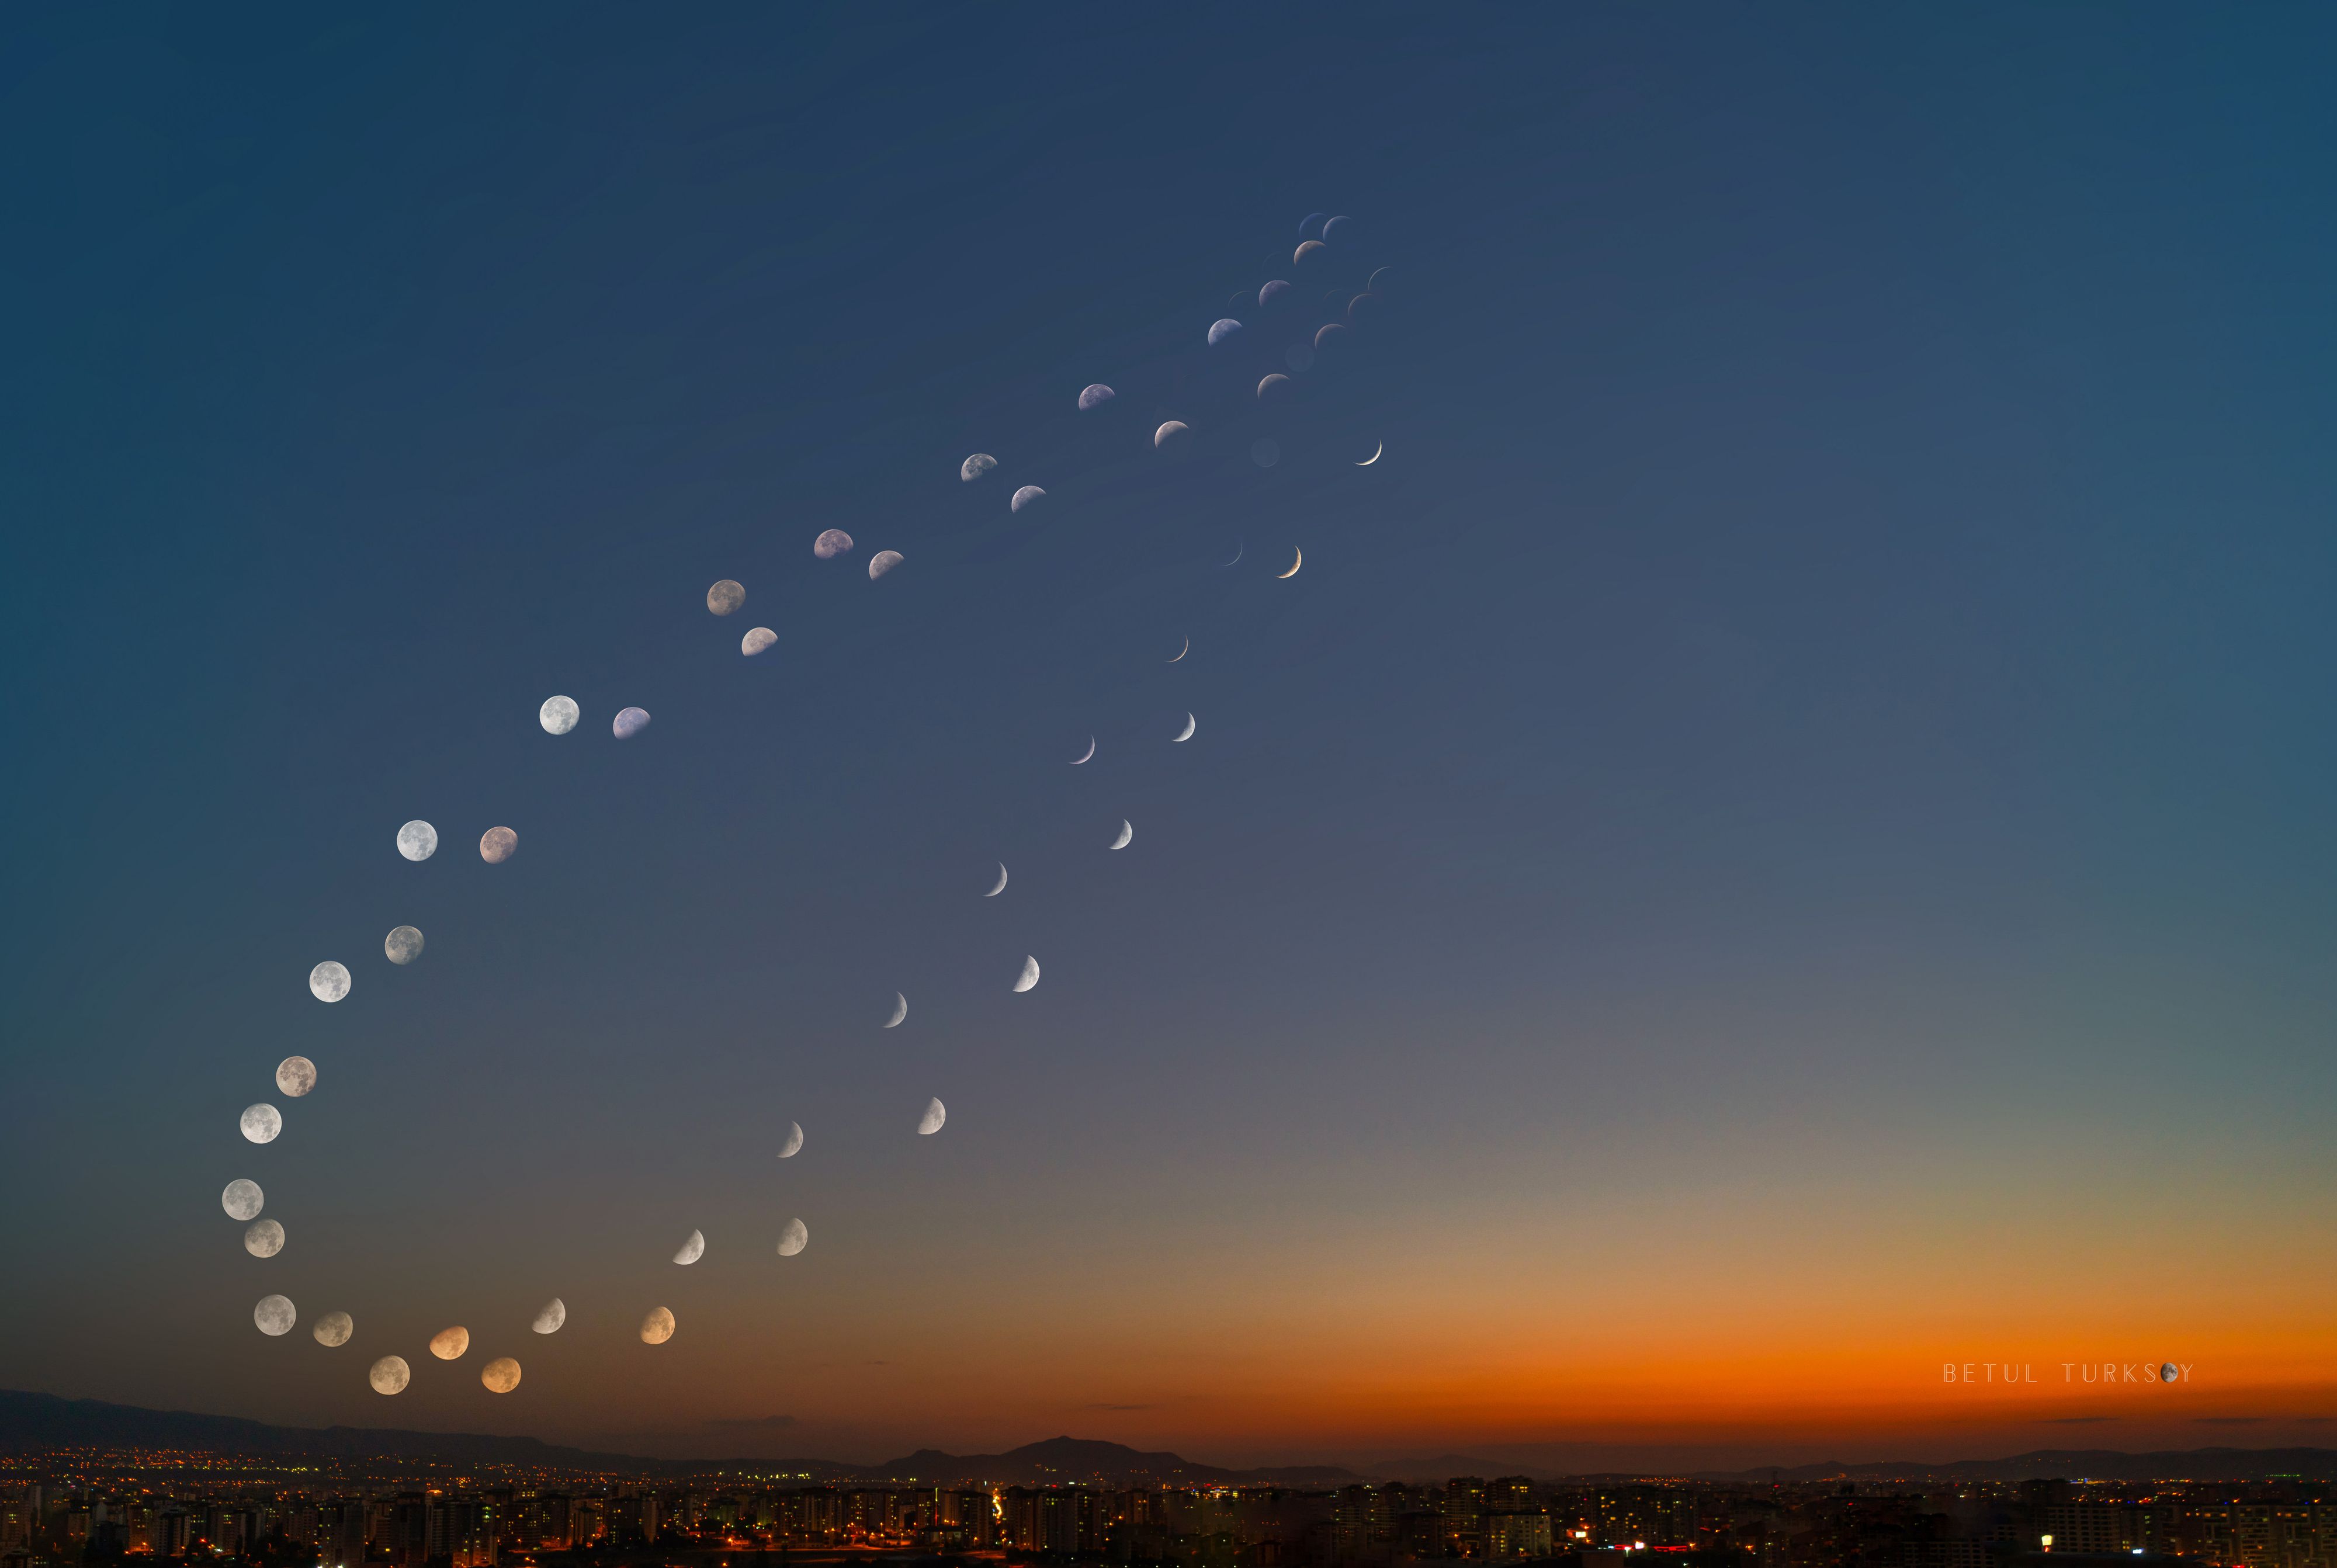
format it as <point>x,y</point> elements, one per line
<point>792,1144</point>
<point>929,1123</point>
<point>448,1344</point>
<point>1186,734</point>
<point>1095,395</point>
<point>994,892</point>
<point>1025,496</point>
<point>628,723</point>
<point>265,1239</point>
<point>725,597</point>
<point>900,1011</point>
<point>1294,566</point>
<point>1030,976</point>
<point>884,561</point>
<point>417,841</point>
<point>403,944</point>
<point>555,1314</point>
<point>658,1327</point>
<point>500,1375</point>
<point>1086,754</point>
<point>1377,448</point>
<point>975,466</point>
<point>295,1076</point>
<point>558,715</point>
<point>275,1315</point>
<point>1126,833</point>
<point>793,1238</point>
<point>390,1374</point>
<point>757,640</point>
<point>1187,648</point>
<point>261,1123</point>
<point>692,1250</point>
<point>334,1328</point>
<point>243,1200</point>
<point>329,981</point>
<point>831,543</point>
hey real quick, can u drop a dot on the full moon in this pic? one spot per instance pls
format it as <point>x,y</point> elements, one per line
<point>500,1375</point>
<point>390,1374</point>
<point>658,1327</point>
<point>264,1240</point>
<point>496,844</point>
<point>756,641</point>
<point>793,1238</point>
<point>692,1250</point>
<point>929,1123</point>
<point>243,1200</point>
<point>329,981</point>
<point>403,944</point>
<point>554,1313</point>
<point>261,1123</point>
<point>558,715</point>
<point>831,543</point>
<point>900,1011</point>
<point>792,1144</point>
<point>884,561</point>
<point>275,1315</point>
<point>417,841</point>
<point>725,596</point>
<point>975,466</point>
<point>628,723</point>
<point>334,1328</point>
<point>295,1076</point>
<point>450,1343</point>
<point>1024,981</point>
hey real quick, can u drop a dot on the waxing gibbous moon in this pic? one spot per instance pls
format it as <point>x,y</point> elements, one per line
<point>500,1375</point>
<point>1084,756</point>
<point>497,844</point>
<point>658,1327</point>
<point>1377,448</point>
<point>261,1123</point>
<point>793,1238</point>
<point>558,715</point>
<point>831,543</point>
<point>403,944</point>
<point>792,1144</point>
<point>900,1010</point>
<point>243,1200</point>
<point>1169,431</point>
<point>390,1374</point>
<point>975,466</point>
<point>1295,564</point>
<point>1030,495</point>
<point>1028,978</point>
<point>884,561</point>
<point>1223,329</point>
<point>692,1250</point>
<point>548,1320</point>
<point>275,1315</point>
<point>1180,652</point>
<point>994,892</point>
<point>448,1344</point>
<point>725,596</point>
<point>756,641</point>
<point>1095,395</point>
<point>295,1076</point>
<point>417,841</point>
<point>1127,834</point>
<point>1187,732</point>
<point>334,1328</point>
<point>329,981</point>
<point>264,1240</point>
<point>628,723</point>
<point>929,1123</point>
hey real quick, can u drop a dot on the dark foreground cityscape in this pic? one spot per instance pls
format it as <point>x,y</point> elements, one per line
<point>80,1505</point>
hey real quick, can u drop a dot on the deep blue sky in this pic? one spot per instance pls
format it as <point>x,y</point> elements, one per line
<point>1796,794</point>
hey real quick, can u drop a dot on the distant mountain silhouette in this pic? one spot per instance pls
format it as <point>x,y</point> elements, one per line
<point>2070,1463</point>
<point>1063,1460</point>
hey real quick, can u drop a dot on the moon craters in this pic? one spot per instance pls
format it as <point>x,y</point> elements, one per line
<point>261,1123</point>
<point>658,1327</point>
<point>497,844</point>
<point>831,543</point>
<point>628,723</point>
<point>295,1076</point>
<point>757,641</point>
<point>554,1313</point>
<point>929,1123</point>
<point>329,981</point>
<point>243,1200</point>
<point>448,1344</point>
<point>500,1375</point>
<point>264,1240</point>
<point>558,715</point>
<point>403,944</point>
<point>722,599</point>
<point>793,1238</point>
<point>417,841</point>
<point>334,1328</point>
<point>390,1374</point>
<point>275,1315</point>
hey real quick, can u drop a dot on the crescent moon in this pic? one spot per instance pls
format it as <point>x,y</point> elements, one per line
<point>1294,566</point>
<point>1187,648</point>
<point>1237,556</point>
<point>994,892</point>
<point>1091,751</point>
<point>1126,833</point>
<point>1028,977</point>
<point>793,1145</point>
<point>1373,457</point>
<point>900,1011</point>
<point>1188,733</point>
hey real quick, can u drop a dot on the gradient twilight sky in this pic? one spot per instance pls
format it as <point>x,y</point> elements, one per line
<point>1782,837</point>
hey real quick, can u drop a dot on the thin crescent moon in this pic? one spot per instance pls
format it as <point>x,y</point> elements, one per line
<point>900,1011</point>
<point>1188,735</point>
<point>1373,457</point>
<point>994,892</point>
<point>1294,566</point>
<point>1091,751</point>
<point>1237,553</point>
<point>1187,648</point>
<point>1126,833</point>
